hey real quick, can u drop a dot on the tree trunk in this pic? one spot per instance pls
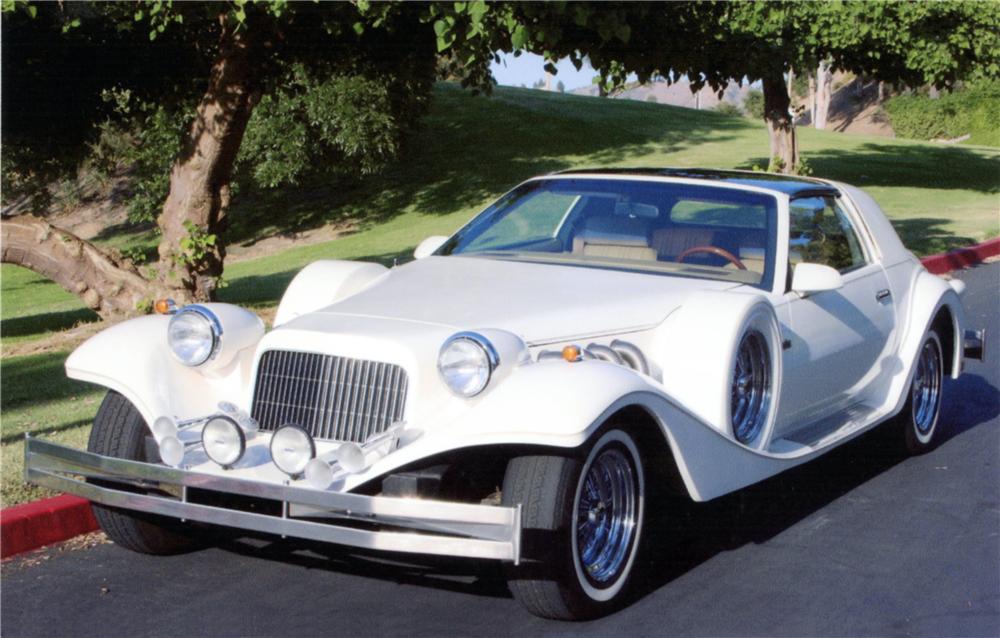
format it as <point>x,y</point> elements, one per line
<point>199,194</point>
<point>199,181</point>
<point>812,99</point>
<point>109,286</point>
<point>824,88</point>
<point>780,125</point>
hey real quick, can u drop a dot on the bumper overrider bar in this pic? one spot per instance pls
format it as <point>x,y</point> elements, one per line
<point>431,527</point>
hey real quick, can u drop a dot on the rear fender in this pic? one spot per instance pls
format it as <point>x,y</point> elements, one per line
<point>929,294</point>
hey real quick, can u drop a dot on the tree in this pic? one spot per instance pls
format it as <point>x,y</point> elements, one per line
<point>560,86</point>
<point>824,93</point>
<point>245,53</point>
<point>712,43</point>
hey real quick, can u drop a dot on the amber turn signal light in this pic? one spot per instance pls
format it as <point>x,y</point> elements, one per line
<point>165,306</point>
<point>571,353</point>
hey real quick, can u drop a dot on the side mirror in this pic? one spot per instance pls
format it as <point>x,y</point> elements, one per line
<point>809,278</point>
<point>428,246</point>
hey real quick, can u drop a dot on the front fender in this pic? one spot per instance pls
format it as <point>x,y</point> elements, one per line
<point>560,405</point>
<point>133,359</point>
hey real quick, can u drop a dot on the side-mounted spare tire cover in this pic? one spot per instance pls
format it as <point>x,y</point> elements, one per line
<point>720,357</point>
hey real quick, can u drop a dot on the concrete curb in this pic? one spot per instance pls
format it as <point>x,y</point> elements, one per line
<point>52,520</point>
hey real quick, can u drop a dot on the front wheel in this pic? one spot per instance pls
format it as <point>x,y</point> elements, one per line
<point>581,522</point>
<point>120,431</point>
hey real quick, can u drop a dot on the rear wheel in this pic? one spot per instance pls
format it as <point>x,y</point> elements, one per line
<point>581,522</point>
<point>120,431</point>
<point>919,419</point>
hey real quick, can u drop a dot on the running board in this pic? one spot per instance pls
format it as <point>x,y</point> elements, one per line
<point>827,430</point>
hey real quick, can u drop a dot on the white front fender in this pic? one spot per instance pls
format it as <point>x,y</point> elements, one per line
<point>558,404</point>
<point>133,359</point>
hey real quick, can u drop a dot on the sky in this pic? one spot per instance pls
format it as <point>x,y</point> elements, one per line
<point>528,68</point>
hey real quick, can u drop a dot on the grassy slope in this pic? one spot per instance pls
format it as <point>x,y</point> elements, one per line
<point>471,149</point>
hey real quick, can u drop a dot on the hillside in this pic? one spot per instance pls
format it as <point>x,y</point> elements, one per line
<point>471,149</point>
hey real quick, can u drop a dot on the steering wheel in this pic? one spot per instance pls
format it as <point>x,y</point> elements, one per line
<point>715,250</point>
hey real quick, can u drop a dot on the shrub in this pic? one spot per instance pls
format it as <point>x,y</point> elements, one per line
<point>728,108</point>
<point>753,104</point>
<point>971,111</point>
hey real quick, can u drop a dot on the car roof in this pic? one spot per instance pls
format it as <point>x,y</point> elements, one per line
<point>793,186</point>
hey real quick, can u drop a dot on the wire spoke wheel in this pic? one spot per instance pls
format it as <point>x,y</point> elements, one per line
<point>606,516</point>
<point>750,395</point>
<point>926,390</point>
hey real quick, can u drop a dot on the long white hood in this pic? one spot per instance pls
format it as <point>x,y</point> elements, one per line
<point>539,302</point>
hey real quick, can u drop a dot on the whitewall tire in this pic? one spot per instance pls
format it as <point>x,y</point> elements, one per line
<point>582,519</point>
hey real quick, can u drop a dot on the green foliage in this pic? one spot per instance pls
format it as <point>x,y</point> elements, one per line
<point>196,244</point>
<point>142,139</point>
<point>728,109</point>
<point>972,112</point>
<point>803,167</point>
<point>356,123</point>
<point>800,84</point>
<point>753,104</point>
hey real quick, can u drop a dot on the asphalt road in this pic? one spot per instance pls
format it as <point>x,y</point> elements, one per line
<point>861,542</point>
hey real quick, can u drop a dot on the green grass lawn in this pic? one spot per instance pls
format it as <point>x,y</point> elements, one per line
<point>469,150</point>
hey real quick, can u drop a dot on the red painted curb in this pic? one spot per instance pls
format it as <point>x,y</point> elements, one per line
<point>51,520</point>
<point>961,257</point>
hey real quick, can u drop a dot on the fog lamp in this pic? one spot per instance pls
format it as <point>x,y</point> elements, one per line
<point>172,451</point>
<point>291,449</point>
<point>223,440</point>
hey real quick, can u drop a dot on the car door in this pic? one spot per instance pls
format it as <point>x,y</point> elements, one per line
<point>835,340</point>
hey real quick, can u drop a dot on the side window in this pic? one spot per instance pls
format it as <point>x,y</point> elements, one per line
<point>820,232</point>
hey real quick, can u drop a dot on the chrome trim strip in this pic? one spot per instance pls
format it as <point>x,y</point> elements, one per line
<point>480,531</point>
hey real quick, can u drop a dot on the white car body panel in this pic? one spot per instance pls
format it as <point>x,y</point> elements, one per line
<point>860,359</point>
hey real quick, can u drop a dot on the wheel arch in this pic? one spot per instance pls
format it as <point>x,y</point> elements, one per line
<point>946,327</point>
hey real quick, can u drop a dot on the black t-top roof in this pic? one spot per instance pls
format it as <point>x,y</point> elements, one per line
<point>792,186</point>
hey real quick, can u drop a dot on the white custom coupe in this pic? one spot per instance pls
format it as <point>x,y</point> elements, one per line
<point>518,390</point>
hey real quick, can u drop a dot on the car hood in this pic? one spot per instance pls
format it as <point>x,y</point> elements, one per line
<point>541,303</point>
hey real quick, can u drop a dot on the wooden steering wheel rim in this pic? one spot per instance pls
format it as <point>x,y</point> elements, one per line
<point>715,250</point>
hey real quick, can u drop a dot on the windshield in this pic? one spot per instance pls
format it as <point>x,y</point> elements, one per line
<point>658,227</point>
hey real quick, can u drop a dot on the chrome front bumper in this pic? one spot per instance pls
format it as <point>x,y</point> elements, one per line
<point>432,527</point>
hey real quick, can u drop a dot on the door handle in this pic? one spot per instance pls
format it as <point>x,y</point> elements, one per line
<point>882,295</point>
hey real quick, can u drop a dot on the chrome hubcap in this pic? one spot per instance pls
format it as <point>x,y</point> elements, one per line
<point>926,391</point>
<point>606,512</point>
<point>751,391</point>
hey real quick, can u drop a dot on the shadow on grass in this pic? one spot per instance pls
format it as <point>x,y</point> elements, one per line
<point>10,437</point>
<point>46,322</point>
<point>925,236</point>
<point>39,377</point>
<point>470,149</point>
<point>898,165</point>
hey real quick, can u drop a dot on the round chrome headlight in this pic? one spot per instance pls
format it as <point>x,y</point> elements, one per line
<point>466,362</point>
<point>223,440</point>
<point>291,449</point>
<point>194,335</point>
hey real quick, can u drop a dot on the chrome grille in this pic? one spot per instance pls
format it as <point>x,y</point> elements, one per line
<point>334,398</point>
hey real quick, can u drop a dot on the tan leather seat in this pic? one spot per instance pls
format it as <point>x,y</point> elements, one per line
<point>616,237</point>
<point>618,251</point>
